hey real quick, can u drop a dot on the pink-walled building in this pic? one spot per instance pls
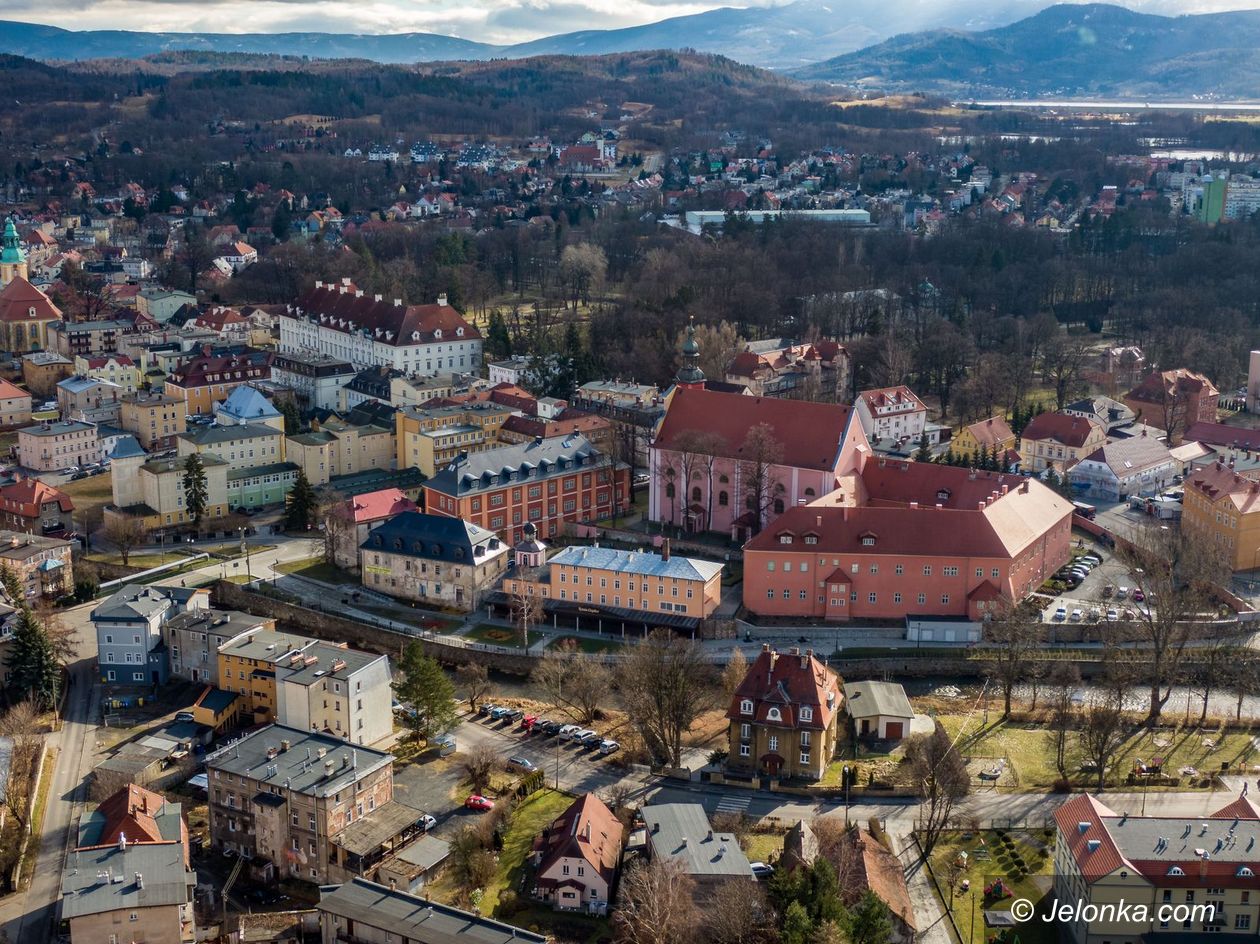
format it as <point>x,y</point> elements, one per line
<point>909,538</point>
<point>703,474</point>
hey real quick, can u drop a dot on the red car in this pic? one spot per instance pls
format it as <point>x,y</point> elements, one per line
<point>479,803</point>
<point>528,722</point>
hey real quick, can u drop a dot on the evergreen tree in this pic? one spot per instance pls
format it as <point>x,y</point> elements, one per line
<point>498,341</point>
<point>924,452</point>
<point>281,221</point>
<point>300,505</point>
<point>12,585</point>
<point>796,924</point>
<point>292,417</point>
<point>868,921</point>
<point>196,494</point>
<point>427,692</point>
<point>32,663</point>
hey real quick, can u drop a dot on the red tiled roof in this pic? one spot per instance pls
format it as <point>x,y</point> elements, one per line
<point>787,681</point>
<point>1219,480</point>
<point>891,396</point>
<point>252,365</point>
<point>1160,385</point>
<point>351,311</point>
<point>1218,434</point>
<point>11,391</point>
<point>1241,808</point>
<point>131,812</point>
<point>20,296</point>
<point>991,432</point>
<point>26,497</point>
<point>586,830</point>
<point>810,434</point>
<point>374,506</point>
<point>1085,811</point>
<point>1070,430</point>
<point>881,872</point>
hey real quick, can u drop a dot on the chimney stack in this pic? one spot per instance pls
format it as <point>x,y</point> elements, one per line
<point>442,299</point>
<point>665,550</point>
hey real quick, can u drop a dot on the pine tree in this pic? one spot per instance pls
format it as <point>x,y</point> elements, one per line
<point>300,505</point>
<point>924,452</point>
<point>32,664</point>
<point>196,494</point>
<point>498,340</point>
<point>12,585</point>
<point>427,691</point>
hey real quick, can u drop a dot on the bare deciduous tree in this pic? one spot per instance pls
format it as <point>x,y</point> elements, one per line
<point>937,771</point>
<point>478,764</point>
<point>656,905</point>
<point>738,914</point>
<point>578,684</point>
<point>667,684</point>
<point>734,673</point>
<point>1064,680</point>
<point>1101,733</point>
<point>126,534</point>
<point>527,610</point>
<point>476,681</point>
<point>761,452</point>
<point>1010,640</point>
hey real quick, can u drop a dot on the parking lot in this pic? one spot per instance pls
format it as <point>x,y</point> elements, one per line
<point>1091,597</point>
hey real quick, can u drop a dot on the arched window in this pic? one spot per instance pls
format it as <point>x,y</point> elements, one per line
<point>773,715</point>
<point>723,499</point>
<point>695,494</point>
<point>669,489</point>
<point>809,493</point>
<point>778,506</point>
<point>724,479</point>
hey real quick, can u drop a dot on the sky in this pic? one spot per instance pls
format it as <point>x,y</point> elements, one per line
<point>492,21</point>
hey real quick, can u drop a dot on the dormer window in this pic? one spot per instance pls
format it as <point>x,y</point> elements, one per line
<point>31,311</point>
<point>785,538</point>
<point>868,540</point>
<point>1176,870</point>
<point>745,707</point>
<point>811,539</point>
<point>774,715</point>
<point>459,332</point>
<point>807,713</point>
<point>437,334</point>
<point>1245,872</point>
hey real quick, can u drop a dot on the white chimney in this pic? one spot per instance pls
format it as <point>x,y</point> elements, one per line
<point>442,299</point>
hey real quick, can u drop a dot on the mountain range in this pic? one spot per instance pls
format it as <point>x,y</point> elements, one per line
<point>1066,50</point>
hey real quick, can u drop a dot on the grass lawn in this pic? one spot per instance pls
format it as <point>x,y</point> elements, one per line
<point>90,495</point>
<point>37,817</point>
<point>316,568</point>
<point>762,847</point>
<point>585,644</point>
<point>499,635</point>
<point>989,857</point>
<point>528,821</point>
<point>1028,746</point>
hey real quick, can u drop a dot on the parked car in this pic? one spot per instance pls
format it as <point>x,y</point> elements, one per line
<point>609,747</point>
<point>1138,595</point>
<point>529,721</point>
<point>1122,592</point>
<point>591,739</point>
<point>184,716</point>
<point>426,822</point>
<point>485,709</point>
<point>581,735</point>
<point>479,803</point>
<point>498,713</point>
<point>524,763</point>
<point>1075,615</point>
<point>760,870</point>
<point>567,731</point>
<point>70,470</point>
<point>1108,590</point>
<point>1094,614</point>
<point>1112,614</point>
<point>513,714</point>
<point>1060,614</point>
<point>552,728</point>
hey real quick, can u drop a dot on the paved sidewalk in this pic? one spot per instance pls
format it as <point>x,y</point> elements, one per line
<point>931,923</point>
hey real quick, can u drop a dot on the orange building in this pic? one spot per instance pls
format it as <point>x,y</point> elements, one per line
<point>1223,507</point>
<point>546,482</point>
<point>205,381</point>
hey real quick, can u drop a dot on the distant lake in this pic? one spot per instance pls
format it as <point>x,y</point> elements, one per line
<point>1116,105</point>
<point>1202,154</point>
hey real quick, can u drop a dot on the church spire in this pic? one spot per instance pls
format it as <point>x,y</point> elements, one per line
<point>690,374</point>
<point>12,258</point>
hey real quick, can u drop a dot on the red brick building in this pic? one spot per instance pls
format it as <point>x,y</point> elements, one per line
<point>1174,400</point>
<point>918,539</point>
<point>546,481</point>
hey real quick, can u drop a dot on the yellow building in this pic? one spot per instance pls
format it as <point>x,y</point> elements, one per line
<point>1223,507</point>
<point>155,420</point>
<point>336,447</point>
<point>118,369</point>
<point>152,490</point>
<point>984,436</point>
<point>247,667</point>
<point>431,439</point>
<point>1058,441</point>
<point>1190,875</point>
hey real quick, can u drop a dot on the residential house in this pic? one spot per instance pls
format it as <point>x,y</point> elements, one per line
<point>332,688</point>
<point>249,664</point>
<point>925,540</point>
<point>154,419</point>
<point>88,338</point>
<point>577,856</point>
<point>43,565</point>
<point>257,473</point>
<point>360,910</point>
<point>782,368</point>
<point>284,800</point>
<point>891,415</point>
<point>1222,508</point>
<point>50,447</point>
<point>31,505</point>
<point>784,716</point>
<point>89,400</point>
<point>118,369</point>
<point>43,370</point>
<point>207,380</point>
<point>638,586</point>
<point>336,447</point>
<point>1139,466</point>
<point>704,476</point>
<point>546,482</point>
<point>873,868</point>
<point>1110,414</point>
<point>1173,400</point>
<point>316,379</point>
<point>134,816</point>
<point>145,888</point>
<point>132,649</point>
<point>25,315</point>
<point>339,320</point>
<point>151,491</point>
<point>160,304</point>
<point>597,430</point>
<point>431,437</point>
<point>879,710</point>
<point>682,833</point>
<point>988,437</point>
<point>1209,862</point>
<point>1058,441</point>
<point>193,637</point>
<point>239,255</point>
<point>347,525</point>
<point>432,559</point>
<point>15,405</point>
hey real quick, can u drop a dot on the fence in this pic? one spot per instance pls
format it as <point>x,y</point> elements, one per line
<point>152,571</point>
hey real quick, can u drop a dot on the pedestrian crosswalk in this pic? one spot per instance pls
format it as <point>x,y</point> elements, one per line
<point>733,804</point>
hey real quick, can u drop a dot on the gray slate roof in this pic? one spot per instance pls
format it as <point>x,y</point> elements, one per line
<point>643,563</point>
<point>87,890</point>
<point>247,756</point>
<point>416,919</point>
<point>532,461</point>
<point>432,537</point>
<point>328,654</point>
<point>137,601</point>
<point>868,699</point>
<point>682,831</point>
<point>213,435</point>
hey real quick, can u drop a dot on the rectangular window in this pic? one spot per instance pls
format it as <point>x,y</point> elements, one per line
<point>871,598</point>
<point>927,570</point>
